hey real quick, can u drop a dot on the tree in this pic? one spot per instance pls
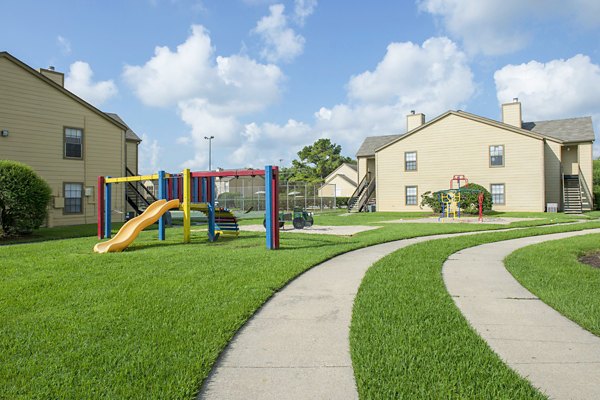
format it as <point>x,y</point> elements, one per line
<point>24,198</point>
<point>316,161</point>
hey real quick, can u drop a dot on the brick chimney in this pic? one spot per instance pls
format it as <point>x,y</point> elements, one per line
<point>57,77</point>
<point>511,113</point>
<point>414,120</point>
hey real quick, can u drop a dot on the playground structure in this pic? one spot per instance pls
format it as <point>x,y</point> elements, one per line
<point>186,191</point>
<point>451,198</point>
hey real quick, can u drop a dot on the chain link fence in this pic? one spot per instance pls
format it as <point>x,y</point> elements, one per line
<point>249,194</point>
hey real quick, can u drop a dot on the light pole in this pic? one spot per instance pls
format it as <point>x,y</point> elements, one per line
<point>209,138</point>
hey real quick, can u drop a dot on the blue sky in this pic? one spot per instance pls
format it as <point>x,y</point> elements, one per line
<point>268,77</point>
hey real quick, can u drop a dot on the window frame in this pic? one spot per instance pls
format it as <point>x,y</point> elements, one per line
<point>81,211</point>
<point>503,193</point>
<point>65,143</point>
<point>503,155</point>
<point>416,161</point>
<point>406,203</point>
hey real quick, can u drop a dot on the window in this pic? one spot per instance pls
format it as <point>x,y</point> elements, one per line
<point>411,195</point>
<point>73,198</point>
<point>497,190</point>
<point>410,161</point>
<point>73,143</point>
<point>496,156</point>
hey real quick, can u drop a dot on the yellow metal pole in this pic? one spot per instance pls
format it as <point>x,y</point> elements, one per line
<point>187,199</point>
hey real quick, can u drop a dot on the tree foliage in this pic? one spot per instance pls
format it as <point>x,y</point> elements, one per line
<point>315,162</point>
<point>24,198</point>
<point>469,199</point>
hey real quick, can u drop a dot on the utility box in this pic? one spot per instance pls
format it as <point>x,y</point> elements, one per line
<point>552,207</point>
<point>371,208</point>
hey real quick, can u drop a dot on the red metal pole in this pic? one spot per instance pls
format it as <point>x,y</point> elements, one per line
<point>180,188</point>
<point>480,199</point>
<point>100,205</point>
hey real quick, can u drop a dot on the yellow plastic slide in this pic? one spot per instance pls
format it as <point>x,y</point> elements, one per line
<point>133,227</point>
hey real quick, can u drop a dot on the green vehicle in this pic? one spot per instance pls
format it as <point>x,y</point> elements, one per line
<point>300,218</point>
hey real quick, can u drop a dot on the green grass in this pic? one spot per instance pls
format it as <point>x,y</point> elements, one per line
<point>56,233</point>
<point>151,321</point>
<point>409,340</point>
<point>552,272</point>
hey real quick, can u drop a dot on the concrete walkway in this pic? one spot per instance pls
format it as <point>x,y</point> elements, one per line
<point>297,345</point>
<point>552,352</point>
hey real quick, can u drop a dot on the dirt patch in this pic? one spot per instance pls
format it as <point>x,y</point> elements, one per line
<point>592,259</point>
<point>341,230</point>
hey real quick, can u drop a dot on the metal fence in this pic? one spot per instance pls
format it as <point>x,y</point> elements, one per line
<point>248,194</point>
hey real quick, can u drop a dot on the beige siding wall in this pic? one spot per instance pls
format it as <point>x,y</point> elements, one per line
<point>552,173</point>
<point>511,114</point>
<point>456,145</point>
<point>348,172</point>
<point>586,166</point>
<point>362,168</point>
<point>35,115</point>
<point>132,156</point>
<point>338,185</point>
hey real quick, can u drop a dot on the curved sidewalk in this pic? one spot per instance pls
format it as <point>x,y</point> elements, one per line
<point>551,351</point>
<point>297,345</point>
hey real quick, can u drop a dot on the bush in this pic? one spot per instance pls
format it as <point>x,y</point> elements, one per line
<point>469,199</point>
<point>24,198</point>
<point>341,202</point>
<point>596,183</point>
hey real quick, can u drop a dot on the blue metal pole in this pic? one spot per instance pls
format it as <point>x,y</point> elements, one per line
<point>268,205</point>
<point>107,210</point>
<point>162,195</point>
<point>204,187</point>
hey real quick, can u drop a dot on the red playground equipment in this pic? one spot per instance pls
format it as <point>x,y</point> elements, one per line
<point>451,198</point>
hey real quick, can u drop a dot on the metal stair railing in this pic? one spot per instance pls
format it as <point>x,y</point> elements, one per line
<point>355,197</point>
<point>584,188</point>
<point>366,195</point>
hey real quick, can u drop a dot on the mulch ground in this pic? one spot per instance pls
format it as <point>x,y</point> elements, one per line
<point>592,259</point>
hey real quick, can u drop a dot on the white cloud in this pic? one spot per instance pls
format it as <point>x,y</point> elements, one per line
<point>171,76</point>
<point>280,41</point>
<point>435,76</point>
<point>303,9</point>
<point>64,44</point>
<point>210,92</point>
<point>79,81</point>
<point>236,84</point>
<point>556,89</point>
<point>495,27</point>
<point>431,78</point>
<point>553,90</point>
<point>149,154</point>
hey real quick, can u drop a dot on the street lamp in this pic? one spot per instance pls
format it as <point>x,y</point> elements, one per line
<point>209,138</point>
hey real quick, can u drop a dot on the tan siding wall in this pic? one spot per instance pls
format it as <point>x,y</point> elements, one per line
<point>343,187</point>
<point>132,157</point>
<point>511,114</point>
<point>456,145</point>
<point>35,115</point>
<point>552,173</point>
<point>586,166</point>
<point>347,171</point>
<point>362,168</point>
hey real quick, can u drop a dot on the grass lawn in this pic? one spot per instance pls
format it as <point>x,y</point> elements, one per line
<point>149,322</point>
<point>552,272</point>
<point>409,340</point>
<point>59,232</point>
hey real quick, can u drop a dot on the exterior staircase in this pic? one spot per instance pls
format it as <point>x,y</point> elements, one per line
<point>137,195</point>
<point>572,195</point>
<point>362,196</point>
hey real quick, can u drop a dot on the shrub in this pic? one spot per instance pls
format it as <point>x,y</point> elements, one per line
<point>596,183</point>
<point>469,199</point>
<point>24,198</point>
<point>341,202</point>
